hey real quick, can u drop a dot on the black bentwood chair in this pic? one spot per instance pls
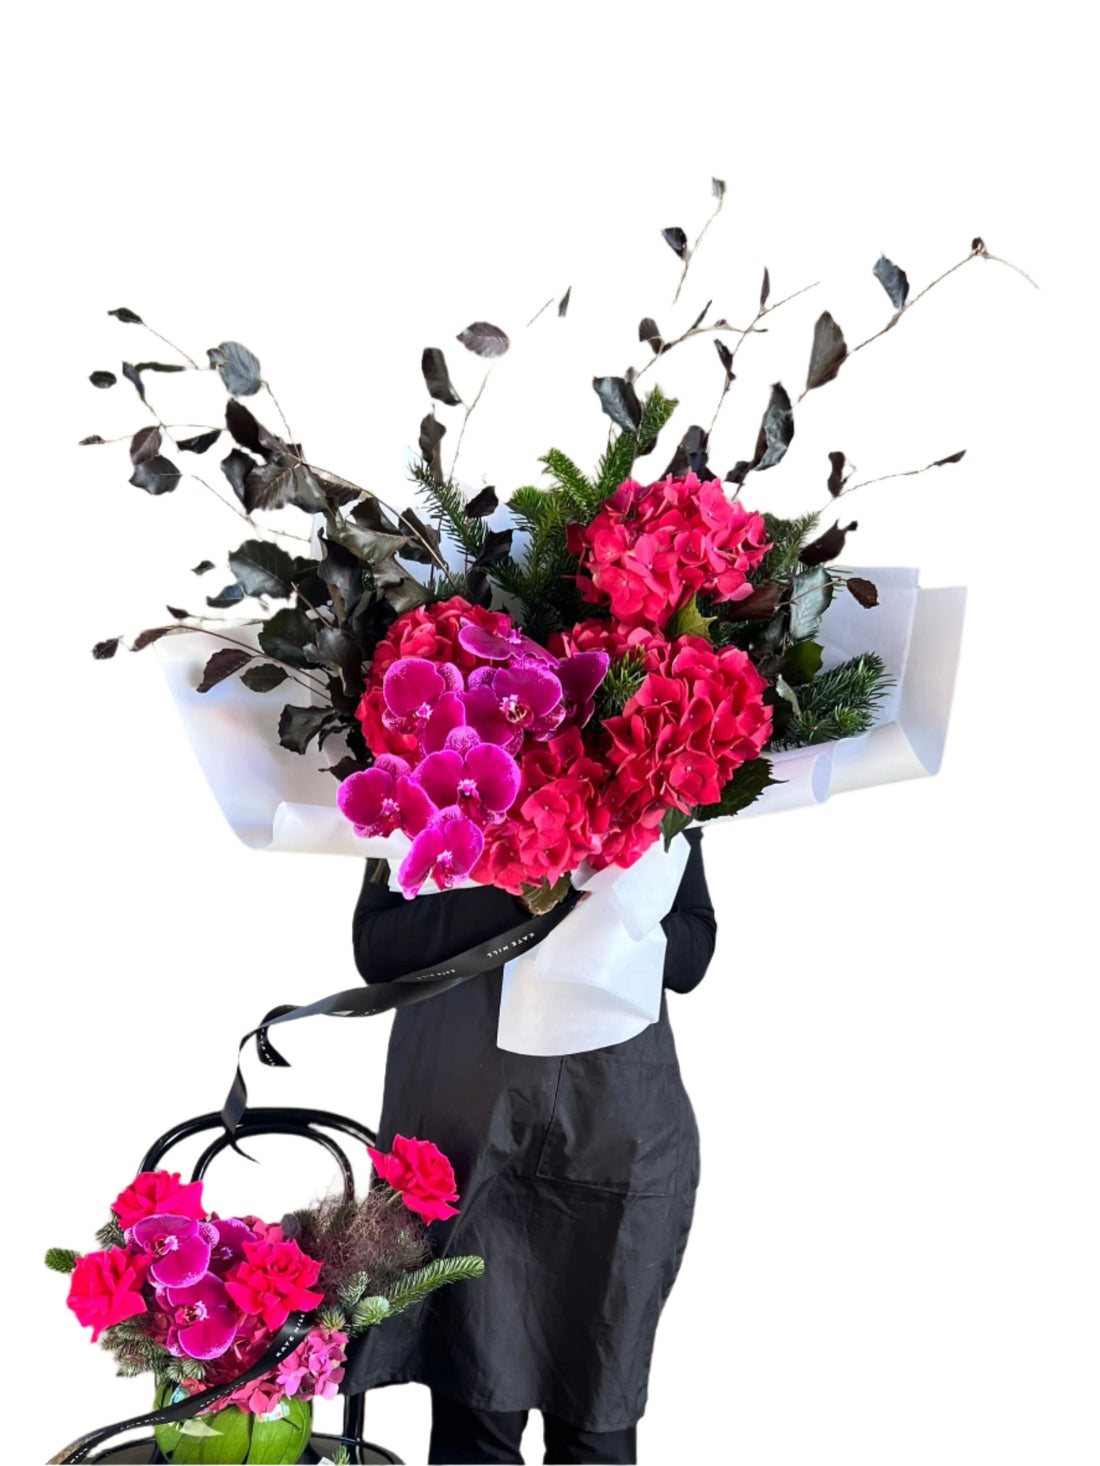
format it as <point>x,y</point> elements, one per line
<point>309,1125</point>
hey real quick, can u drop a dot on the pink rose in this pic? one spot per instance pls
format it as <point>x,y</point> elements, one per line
<point>154,1193</point>
<point>273,1280</point>
<point>106,1288</point>
<point>421,1174</point>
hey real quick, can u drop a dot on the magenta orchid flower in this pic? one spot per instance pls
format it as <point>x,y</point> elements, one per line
<point>504,703</point>
<point>204,1319</point>
<point>447,715</point>
<point>229,1248</point>
<point>580,675</point>
<point>383,798</point>
<point>411,689</point>
<point>496,648</point>
<point>178,1248</point>
<point>447,851</point>
<point>482,780</point>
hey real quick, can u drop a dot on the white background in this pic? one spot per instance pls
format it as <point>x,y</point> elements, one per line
<point>893,1055</point>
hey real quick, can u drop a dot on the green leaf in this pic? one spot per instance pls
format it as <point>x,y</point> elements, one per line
<point>689,621</point>
<point>286,635</point>
<point>61,1259</point>
<point>802,662</point>
<point>262,569</point>
<point>746,786</point>
<point>673,821</point>
<point>811,593</point>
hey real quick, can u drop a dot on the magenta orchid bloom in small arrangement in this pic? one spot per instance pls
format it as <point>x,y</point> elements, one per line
<point>197,1299</point>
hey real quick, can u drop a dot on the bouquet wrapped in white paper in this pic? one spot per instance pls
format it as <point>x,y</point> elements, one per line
<point>551,702</point>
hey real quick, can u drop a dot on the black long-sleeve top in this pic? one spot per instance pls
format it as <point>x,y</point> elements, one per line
<point>393,935</point>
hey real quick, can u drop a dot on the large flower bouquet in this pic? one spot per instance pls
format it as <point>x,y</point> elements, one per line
<point>197,1299</point>
<point>506,704</point>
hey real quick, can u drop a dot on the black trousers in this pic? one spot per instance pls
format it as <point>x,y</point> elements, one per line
<point>462,1435</point>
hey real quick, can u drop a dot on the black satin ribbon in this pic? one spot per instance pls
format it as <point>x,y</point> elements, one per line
<point>384,997</point>
<point>285,1342</point>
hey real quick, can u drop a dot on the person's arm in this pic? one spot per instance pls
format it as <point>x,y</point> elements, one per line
<point>392,935</point>
<point>690,926</point>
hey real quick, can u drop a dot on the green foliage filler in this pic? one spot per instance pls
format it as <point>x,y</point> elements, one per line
<point>415,1287</point>
<point>836,704</point>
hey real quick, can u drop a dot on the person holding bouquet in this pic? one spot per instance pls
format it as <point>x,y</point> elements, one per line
<point>578,1176</point>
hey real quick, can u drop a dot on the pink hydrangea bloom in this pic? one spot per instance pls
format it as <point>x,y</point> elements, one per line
<point>650,549</point>
<point>316,1368</point>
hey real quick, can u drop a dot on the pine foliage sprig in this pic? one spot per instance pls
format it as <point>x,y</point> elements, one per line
<point>574,487</point>
<point>61,1259</point>
<point>367,1312</point>
<point>624,677</point>
<point>414,1287</point>
<point>449,505</point>
<point>353,1290</point>
<point>836,704</point>
<point>788,537</point>
<point>177,1370</point>
<point>110,1234</point>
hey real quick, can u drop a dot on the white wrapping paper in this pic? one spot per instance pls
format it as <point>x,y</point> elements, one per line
<point>596,978</point>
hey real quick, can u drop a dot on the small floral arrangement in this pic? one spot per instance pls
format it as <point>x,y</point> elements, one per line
<point>197,1299</point>
<point>616,661</point>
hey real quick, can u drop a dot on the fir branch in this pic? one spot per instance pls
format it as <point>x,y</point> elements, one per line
<point>579,493</point>
<point>623,679</point>
<point>415,1287</point>
<point>617,462</point>
<point>61,1259</point>
<point>787,537</point>
<point>656,411</point>
<point>111,1234</point>
<point>350,1294</point>
<point>367,1312</point>
<point>177,1370</point>
<point>447,501</point>
<point>840,703</point>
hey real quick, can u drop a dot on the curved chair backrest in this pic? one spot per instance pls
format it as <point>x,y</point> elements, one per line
<point>307,1124</point>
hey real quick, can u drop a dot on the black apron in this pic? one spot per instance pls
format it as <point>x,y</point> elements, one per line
<point>576,1175</point>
